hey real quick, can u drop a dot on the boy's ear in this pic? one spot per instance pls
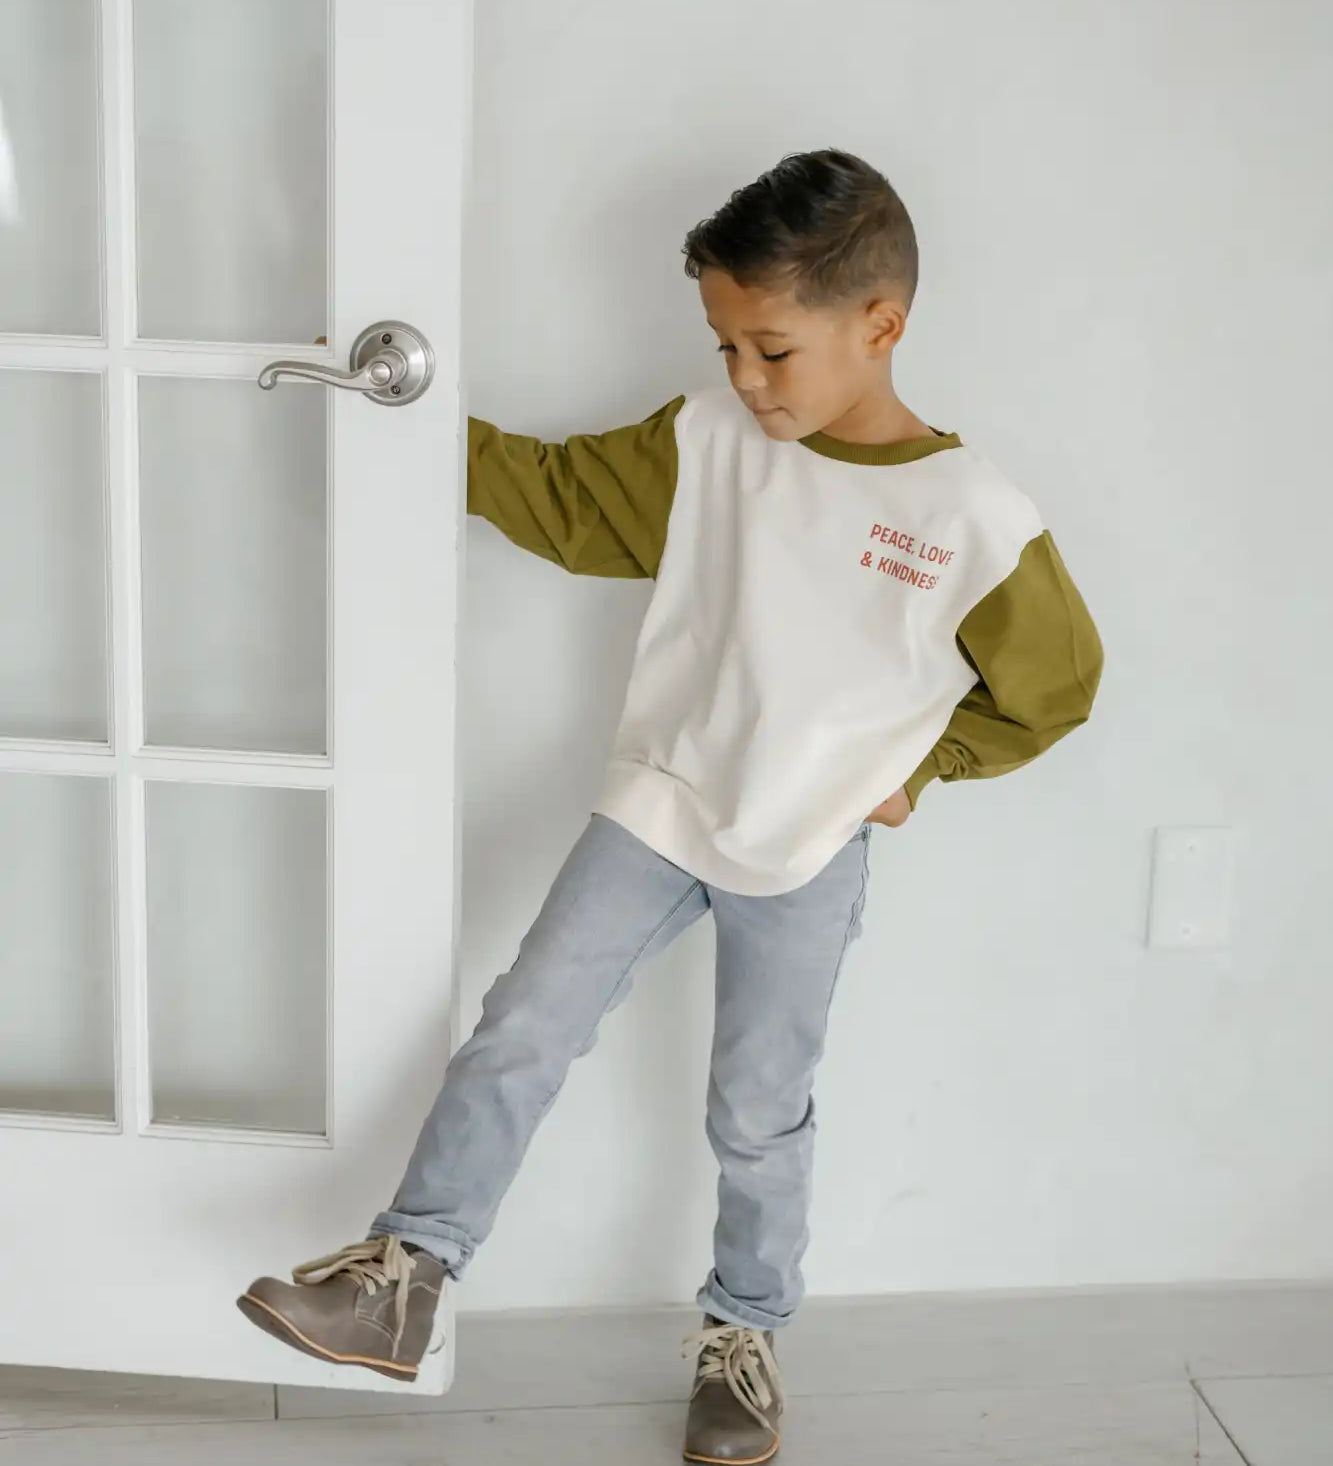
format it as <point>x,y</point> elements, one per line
<point>885,319</point>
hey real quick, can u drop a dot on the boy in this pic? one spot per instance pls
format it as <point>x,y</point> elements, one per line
<point>849,603</point>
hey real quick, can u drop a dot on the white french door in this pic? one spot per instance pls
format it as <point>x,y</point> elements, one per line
<point>228,862</point>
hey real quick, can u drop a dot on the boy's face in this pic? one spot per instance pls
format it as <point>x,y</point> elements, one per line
<point>799,368</point>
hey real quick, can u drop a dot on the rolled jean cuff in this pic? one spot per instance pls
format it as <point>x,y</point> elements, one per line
<point>713,1298</point>
<point>442,1241</point>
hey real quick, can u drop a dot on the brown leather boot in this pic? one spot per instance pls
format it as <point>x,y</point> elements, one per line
<point>372,1303</point>
<point>738,1395</point>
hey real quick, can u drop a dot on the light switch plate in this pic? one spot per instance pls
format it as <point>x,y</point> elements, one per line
<point>1193,872</point>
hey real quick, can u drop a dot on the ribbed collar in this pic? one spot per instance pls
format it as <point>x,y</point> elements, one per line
<point>906,451</point>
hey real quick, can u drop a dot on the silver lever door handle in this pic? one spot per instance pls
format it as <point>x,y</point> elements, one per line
<point>392,363</point>
<point>380,372</point>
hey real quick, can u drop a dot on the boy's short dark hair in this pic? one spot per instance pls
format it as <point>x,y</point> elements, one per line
<point>825,224</point>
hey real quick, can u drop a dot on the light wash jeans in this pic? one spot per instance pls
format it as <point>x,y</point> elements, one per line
<point>615,903</point>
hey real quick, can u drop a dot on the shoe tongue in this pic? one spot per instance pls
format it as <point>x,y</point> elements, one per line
<point>721,1323</point>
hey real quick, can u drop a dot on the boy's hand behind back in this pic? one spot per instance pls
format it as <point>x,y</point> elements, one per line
<point>893,812</point>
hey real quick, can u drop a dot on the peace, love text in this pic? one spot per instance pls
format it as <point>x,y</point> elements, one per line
<point>910,548</point>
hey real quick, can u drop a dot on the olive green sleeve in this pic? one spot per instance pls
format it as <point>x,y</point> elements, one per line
<point>1039,658</point>
<point>597,504</point>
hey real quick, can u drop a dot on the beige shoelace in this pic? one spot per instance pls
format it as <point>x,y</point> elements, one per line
<point>378,1262</point>
<point>741,1357</point>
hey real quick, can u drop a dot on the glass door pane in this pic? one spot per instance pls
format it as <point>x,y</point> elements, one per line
<point>50,187</point>
<point>231,157</point>
<point>57,1005</point>
<point>234,524</point>
<point>238,955</point>
<point>53,599</point>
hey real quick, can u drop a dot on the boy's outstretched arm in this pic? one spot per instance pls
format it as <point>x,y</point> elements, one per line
<point>596,504</point>
<point>1039,658</point>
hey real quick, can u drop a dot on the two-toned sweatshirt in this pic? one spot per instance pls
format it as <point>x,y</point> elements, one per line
<point>830,622</point>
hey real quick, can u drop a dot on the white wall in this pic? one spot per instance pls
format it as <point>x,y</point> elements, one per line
<point>1127,302</point>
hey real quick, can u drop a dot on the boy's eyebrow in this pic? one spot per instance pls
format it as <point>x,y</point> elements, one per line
<point>763,332</point>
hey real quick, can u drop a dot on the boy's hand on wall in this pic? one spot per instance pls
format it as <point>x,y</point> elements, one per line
<point>893,812</point>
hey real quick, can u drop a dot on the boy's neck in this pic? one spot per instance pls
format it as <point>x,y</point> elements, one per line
<point>879,418</point>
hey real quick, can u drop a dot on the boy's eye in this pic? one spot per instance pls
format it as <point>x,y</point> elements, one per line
<point>776,356</point>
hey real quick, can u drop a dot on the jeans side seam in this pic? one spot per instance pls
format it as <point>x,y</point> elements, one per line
<point>857,907</point>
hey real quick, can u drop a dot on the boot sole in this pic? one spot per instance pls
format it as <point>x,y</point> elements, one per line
<point>736,1460</point>
<point>282,1329</point>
